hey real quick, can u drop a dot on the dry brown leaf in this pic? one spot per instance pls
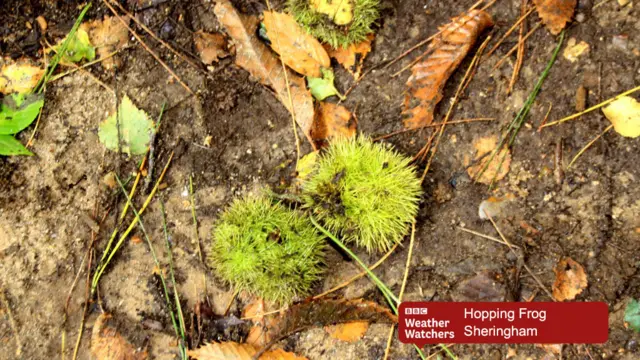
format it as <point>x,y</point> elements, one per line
<point>497,169</point>
<point>349,332</point>
<point>347,57</point>
<point>108,344</point>
<point>236,351</point>
<point>570,280</point>
<point>299,50</point>
<point>107,35</point>
<point>446,52</point>
<point>260,62</point>
<point>211,47</point>
<point>332,121</point>
<point>258,336</point>
<point>555,13</point>
<point>19,77</point>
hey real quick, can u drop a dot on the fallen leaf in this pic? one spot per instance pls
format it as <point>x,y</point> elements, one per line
<point>332,121</point>
<point>574,50</point>
<point>257,334</point>
<point>108,344</point>
<point>352,57</point>
<point>494,206</point>
<point>129,132</point>
<point>555,13</point>
<point>632,315</point>
<point>349,332</point>
<point>481,287</point>
<point>79,48</point>
<point>570,280</point>
<point>322,88</point>
<point>211,47</point>
<point>107,35</point>
<point>299,50</point>
<point>429,76</point>
<point>9,146</point>
<point>19,77</point>
<point>236,351</point>
<point>497,169</point>
<point>340,12</point>
<point>253,56</point>
<point>18,111</point>
<point>624,114</point>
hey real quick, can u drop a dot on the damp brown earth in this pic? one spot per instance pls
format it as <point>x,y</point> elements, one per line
<point>234,137</point>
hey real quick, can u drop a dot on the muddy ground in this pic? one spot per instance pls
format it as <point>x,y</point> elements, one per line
<point>592,216</point>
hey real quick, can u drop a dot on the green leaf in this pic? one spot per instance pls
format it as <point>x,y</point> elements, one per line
<point>632,315</point>
<point>322,88</point>
<point>135,129</point>
<point>79,47</point>
<point>10,146</point>
<point>18,111</point>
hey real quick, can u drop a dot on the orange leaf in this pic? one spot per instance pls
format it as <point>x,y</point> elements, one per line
<point>260,62</point>
<point>332,121</point>
<point>108,344</point>
<point>349,332</point>
<point>429,76</point>
<point>258,334</point>
<point>555,13</point>
<point>236,351</point>
<point>570,280</point>
<point>299,50</point>
<point>347,56</point>
<point>211,47</point>
<point>497,169</point>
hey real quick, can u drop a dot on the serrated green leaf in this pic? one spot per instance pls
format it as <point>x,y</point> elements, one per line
<point>632,315</point>
<point>19,111</point>
<point>135,129</point>
<point>322,88</point>
<point>10,146</point>
<point>79,47</point>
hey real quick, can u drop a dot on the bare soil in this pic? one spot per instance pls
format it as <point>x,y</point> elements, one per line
<point>592,215</point>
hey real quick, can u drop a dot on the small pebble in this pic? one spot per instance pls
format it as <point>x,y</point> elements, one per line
<point>581,17</point>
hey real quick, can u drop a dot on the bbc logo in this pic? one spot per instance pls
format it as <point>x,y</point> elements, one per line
<point>416,311</point>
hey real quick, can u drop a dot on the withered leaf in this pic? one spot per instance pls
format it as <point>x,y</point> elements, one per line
<point>299,50</point>
<point>108,344</point>
<point>332,121</point>
<point>349,332</point>
<point>498,167</point>
<point>555,13</point>
<point>446,52</point>
<point>253,56</point>
<point>352,57</point>
<point>107,35</point>
<point>257,334</point>
<point>210,47</point>
<point>236,351</point>
<point>570,280</point>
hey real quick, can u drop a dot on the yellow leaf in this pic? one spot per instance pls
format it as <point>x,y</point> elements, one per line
<point>299,50</point>
<point>624,114</point>
<point>19,77</point>
<point>497,169</point>
<point>340,11</point>
<point>349,332</point>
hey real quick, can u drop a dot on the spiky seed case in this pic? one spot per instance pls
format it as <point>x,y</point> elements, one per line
<point>267,249</point>
<point>321,26</point>
<point>364,191</point>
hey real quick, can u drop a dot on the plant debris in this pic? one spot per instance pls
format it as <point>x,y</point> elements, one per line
<point>499,166</point>
<point>299,50</point>
<point>632,315</point>
<point>322,88</point>
<point>429,76</point>
<point>574,50</point>
<point>624,114</point>
<point>79,47</point>
<point>349,332</point>
<point>108,344</point>
<point>571,280</point>
<point>555,14</point>
<point>332,121</point>
<point>107,35</point>
<point>128,129</point>
<point>210,47</point>
<point>235,351</point>
<point>352,57</point>
<point>20,77</point>
<point>257,335</point>
<point>253,56</point>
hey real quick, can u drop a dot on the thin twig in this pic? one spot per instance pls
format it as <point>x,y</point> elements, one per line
<point>520,53</point>
<point>487,237</point>
<point>513,27</point>
<point>589,145</point>
<point>515,47</point>
<point>83,66</point>
<point>463,121</point>
<point>546,117</point>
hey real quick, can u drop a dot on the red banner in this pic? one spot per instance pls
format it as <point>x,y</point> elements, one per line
<point>424,323</point>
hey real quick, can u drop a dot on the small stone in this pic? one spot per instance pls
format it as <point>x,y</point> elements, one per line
<point>581,17</point>
<point>620,41</point>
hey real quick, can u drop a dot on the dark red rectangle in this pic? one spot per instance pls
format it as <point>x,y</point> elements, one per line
<point>424,323</point>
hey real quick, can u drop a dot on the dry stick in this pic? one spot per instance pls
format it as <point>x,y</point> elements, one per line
<point>61,75</point>
<point>473,64</point>
<point>463,121</point>
<point>360,275</point>
<point>422,154</point>
<point>524,38</point>
<point>589,145</point>
<point>44,87</point>
<point>76,349</point>
<point>520,53</point>
<point>12,323</point>
<point>546,117</point>
<point>135,35</point>
<point>595,107</point>
<point>513,27</point>
<point>233,297</point>
<point>153,35</point>
<point>487,237</point>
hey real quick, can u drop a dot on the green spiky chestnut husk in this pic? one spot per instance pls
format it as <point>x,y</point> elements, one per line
<point>267,249</point>
<point>364,191</point>
<point>321,26</point>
